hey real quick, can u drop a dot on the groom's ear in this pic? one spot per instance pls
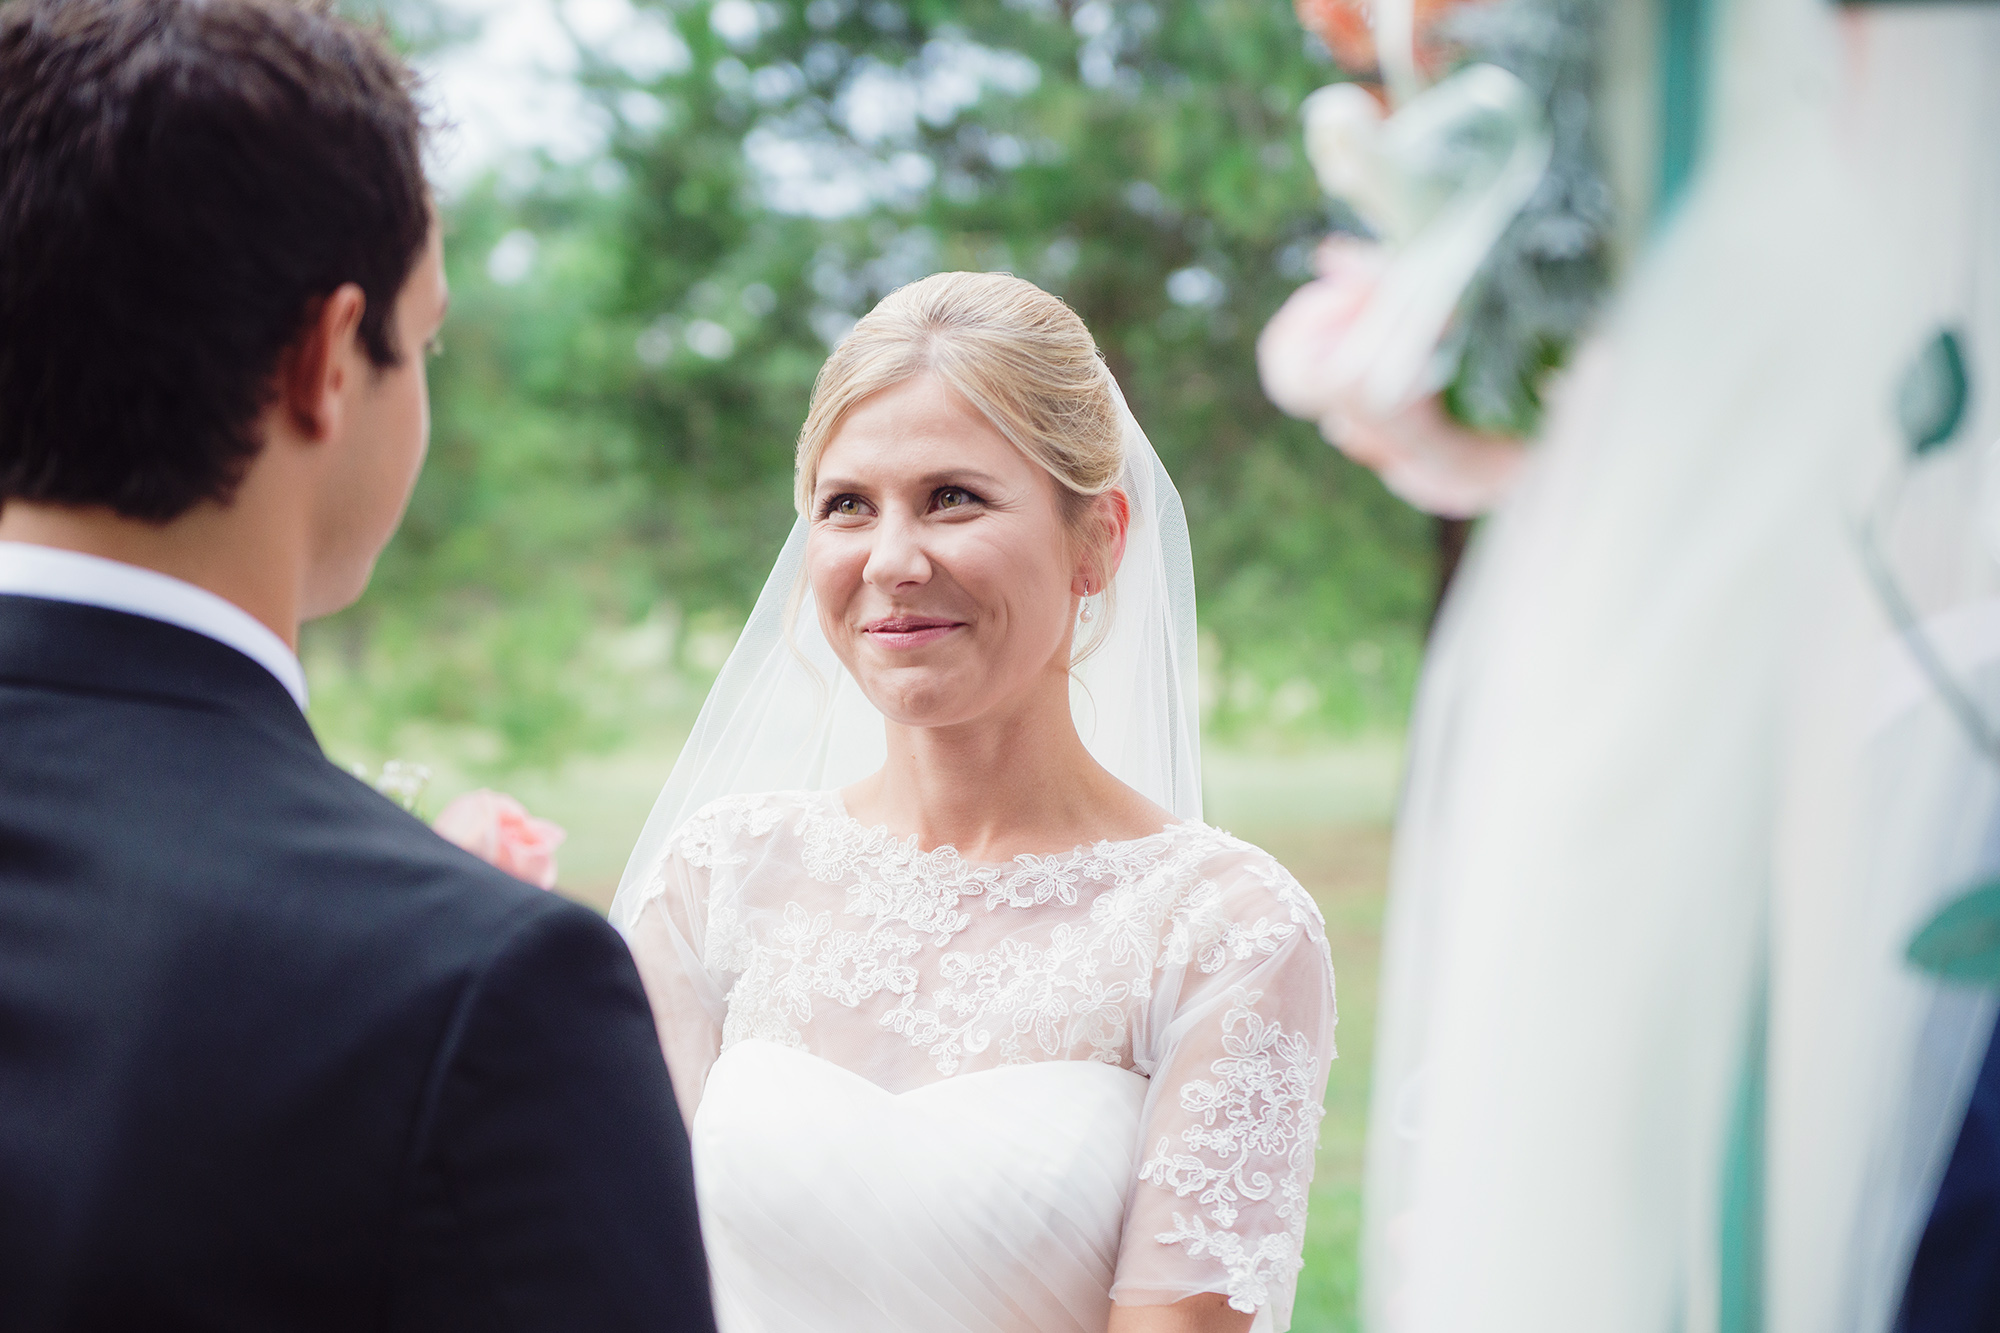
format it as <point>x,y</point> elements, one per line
<point>317,372</point>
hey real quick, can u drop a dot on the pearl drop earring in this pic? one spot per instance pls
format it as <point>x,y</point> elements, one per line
<point>1087,614</point>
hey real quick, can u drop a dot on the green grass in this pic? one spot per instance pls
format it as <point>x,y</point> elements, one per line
<point>1346,867</point>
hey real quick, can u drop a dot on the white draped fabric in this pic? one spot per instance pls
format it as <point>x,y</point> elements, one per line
<point>928,1094</point>
<point>1652,774</point>
<point>828,1200</point>
<point>1888,810</point>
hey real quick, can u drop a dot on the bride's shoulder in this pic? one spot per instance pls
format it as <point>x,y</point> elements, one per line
<point>1238,879</point>
<point>745,817</point>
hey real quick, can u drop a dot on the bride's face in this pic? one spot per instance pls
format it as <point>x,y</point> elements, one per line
<point>944,571</point>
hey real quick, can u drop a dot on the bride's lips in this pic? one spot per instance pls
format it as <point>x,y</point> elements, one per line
<point>909,631</point>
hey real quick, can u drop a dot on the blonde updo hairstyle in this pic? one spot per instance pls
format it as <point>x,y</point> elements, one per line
<point>1020,356</point>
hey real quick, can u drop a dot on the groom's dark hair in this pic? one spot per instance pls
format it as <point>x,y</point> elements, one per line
<point>182,183</point>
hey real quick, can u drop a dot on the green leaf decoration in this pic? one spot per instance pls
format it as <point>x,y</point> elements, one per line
<point>1962,942</point>
<point>1930,402</point>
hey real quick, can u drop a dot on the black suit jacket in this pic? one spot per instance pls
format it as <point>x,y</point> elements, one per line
<point>1954,1283</point>
<point>273,1055</point>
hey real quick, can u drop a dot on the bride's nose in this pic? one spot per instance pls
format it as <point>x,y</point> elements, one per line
<point>896,558</point>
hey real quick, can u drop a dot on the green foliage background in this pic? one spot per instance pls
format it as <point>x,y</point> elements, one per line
<point>605,492</point>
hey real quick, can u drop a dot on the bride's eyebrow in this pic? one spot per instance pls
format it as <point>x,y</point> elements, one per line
<point>969,477</point>
<point>960,477</point>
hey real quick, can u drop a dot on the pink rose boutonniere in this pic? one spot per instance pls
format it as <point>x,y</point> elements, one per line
<point>498,829</point>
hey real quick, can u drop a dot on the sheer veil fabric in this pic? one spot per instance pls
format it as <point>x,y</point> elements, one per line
<point>784,715</point>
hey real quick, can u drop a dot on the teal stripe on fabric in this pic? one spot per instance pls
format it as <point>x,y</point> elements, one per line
<point>1684,47</point>
<point>1741,1298</point>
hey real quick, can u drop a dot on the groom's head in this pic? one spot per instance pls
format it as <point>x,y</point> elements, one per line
<point>216,246</point>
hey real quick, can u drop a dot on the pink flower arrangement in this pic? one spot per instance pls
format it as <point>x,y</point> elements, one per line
<point>1422,455</point>
<point>498,829</point>
<point>1301,343</point>
<point>1428,460</point>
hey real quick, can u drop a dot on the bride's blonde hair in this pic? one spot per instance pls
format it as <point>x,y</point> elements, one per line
<point>1020,356</point>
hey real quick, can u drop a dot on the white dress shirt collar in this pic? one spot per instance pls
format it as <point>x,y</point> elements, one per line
<point>70,576</point>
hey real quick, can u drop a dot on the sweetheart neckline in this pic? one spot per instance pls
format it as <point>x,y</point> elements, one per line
<point>873,1086</point>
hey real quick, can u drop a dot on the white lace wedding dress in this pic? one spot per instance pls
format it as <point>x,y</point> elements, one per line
<point>927,1094</point>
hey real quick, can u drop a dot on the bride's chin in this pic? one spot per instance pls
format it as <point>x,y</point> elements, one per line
<point>919,714</point>
<point>920,703</point>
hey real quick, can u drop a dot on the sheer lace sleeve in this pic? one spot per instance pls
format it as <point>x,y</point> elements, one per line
<point>1241,1034</point>
<point>668,941</point>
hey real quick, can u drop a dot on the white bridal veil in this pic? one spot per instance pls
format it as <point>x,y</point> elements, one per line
<point>784,714</point>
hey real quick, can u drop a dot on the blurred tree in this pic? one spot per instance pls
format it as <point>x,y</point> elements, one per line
<point>633,341</point>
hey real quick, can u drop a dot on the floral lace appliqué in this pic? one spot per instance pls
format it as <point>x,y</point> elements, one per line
<point>1025,999</point>
<point>1044,1003</point>
<point>714,836</point>
<point>1251,1134</point>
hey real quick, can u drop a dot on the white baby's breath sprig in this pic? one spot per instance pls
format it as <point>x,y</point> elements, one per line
<point>400,780</point>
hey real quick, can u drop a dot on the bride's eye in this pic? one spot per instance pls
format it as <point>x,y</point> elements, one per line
<point>844,506</point>
<point>954,497</point>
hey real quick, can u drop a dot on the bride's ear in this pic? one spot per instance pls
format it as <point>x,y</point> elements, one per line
<point>1111,519</point>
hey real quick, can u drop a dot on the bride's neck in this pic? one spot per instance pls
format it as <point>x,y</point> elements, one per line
<point>1000,786</point>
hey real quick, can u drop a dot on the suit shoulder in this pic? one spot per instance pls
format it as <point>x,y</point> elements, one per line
<point>417,887</point>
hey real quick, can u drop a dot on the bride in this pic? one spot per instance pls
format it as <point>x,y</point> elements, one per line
<point>975,1024</point>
